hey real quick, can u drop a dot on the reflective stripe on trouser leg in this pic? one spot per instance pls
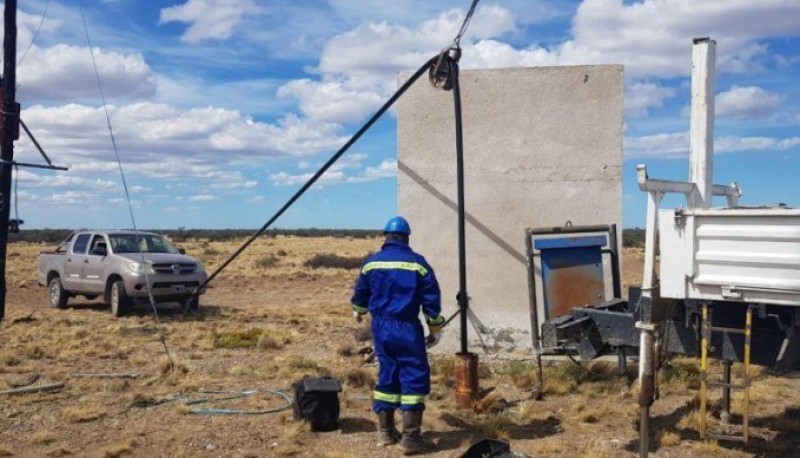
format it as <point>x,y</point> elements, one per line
<point>384,401</point>
<point>410,402</point>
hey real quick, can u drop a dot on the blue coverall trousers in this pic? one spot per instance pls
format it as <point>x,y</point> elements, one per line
<point>404,377</point>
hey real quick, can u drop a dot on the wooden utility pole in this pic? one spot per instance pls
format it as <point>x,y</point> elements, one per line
<point>9,133</point>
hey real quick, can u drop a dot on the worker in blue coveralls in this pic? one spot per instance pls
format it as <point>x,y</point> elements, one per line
<point>393,285</point>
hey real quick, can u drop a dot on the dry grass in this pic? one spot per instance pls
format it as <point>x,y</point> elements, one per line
<point>585,412</point>
<point>4,451</point>
<point>494,426</point>
<point>562,378</point>
<point>43,438</point>
<point>521,373</point>
<point>358,378</point>
<point>116,450</point>
<point>315,337</point>
<point>238,339</point>
<point>667,438</point>
<point>82,414</point>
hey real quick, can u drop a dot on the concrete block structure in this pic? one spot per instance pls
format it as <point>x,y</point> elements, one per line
<point>542,146</point>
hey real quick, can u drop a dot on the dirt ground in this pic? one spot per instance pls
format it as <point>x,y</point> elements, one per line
<point>270,320</point>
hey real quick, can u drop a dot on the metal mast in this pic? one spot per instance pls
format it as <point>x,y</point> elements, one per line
<point>9,134</point>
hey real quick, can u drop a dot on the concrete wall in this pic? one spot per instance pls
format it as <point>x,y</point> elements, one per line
<point>541,146</point>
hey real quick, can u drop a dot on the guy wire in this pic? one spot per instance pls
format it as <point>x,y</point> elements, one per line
<point>162,334</point>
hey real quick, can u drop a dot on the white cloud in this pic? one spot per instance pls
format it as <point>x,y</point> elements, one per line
<point>338,173</point>
<point>255,200</point>
<point>160,136</point>
<point>676,145</point>
<point>208,19</point>
<point>642,96</point>
<point>65,72</point>
<point>358,67</point>
<point>202,198</point>
<point>248,184</point>
<point>750,102</point>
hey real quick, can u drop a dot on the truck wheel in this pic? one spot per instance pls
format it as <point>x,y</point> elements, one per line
<point>56,294</point>
<point>119,298</point>
<point>191,305</point>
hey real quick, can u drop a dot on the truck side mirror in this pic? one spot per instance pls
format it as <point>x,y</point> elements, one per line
<point>100,250</point>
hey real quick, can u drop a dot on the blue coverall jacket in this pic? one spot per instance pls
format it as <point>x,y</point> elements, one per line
<point>394,284</point>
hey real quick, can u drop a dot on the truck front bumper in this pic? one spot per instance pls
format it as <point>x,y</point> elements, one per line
<point>165,288</point>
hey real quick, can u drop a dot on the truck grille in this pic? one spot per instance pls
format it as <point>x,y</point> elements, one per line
<point>174,268</point>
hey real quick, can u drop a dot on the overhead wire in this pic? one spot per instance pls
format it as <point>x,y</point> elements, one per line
<point>465,24</point>
<point>162,334</point>
<point>35,34</point>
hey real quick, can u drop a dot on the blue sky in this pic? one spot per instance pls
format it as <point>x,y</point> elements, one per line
<point>222,108</point>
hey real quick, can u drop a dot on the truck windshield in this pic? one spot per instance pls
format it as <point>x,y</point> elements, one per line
<point>148,243</point>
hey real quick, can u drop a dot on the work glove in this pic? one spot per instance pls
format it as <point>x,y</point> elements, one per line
<point>433,339</point>
<point>358,317</point>
<point>435,327</point>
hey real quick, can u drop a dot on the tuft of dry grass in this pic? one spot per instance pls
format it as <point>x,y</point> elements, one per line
<point>9,360</point>
<point>495,426</point>
<point>5,451</point>
<point>42,438</point>
<point>667,438</point>
<point>82,414</point>
<point>268,261</point>
<point>334,261</point>
<point>358,378</point>
<point>599,448</point>
<point>116,450</point>
<point>521,373</point>
<point>562,378</point>
<point>680,375</point>
<point>345,350</point>
<point>274,339</point>
<point>583,412</point>
<point>238,339</point>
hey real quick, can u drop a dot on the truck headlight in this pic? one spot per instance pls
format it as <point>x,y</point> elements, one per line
<point>140,268</point>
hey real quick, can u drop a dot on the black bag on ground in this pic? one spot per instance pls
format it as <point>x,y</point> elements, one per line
<point>317,401</point>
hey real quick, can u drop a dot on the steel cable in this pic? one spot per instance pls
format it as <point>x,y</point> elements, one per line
<point>388,104</point>
<point>162,334</point>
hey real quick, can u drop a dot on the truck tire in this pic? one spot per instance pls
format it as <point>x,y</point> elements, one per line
<point>56,294</point>
<point>119,298</point>
<point>191,305</point>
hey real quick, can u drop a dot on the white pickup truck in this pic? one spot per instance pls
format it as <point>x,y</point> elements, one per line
<point>122,266</point>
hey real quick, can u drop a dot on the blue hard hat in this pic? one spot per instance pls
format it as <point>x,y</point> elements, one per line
<point>397,225</point>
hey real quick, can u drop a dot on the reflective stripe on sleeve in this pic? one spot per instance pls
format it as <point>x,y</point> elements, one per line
<point>361,310</point>
<point>412,266</point>
<point>386,397</point>
<point>437,321</point>
<point>412,399</point>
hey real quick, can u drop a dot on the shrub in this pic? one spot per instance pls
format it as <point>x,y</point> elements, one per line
<point>267,261</point>
<point>334,261</point>
<point>238,339</point>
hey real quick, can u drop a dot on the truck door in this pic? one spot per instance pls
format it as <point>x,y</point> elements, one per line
<point>76,259</point>
<point>95,265</point>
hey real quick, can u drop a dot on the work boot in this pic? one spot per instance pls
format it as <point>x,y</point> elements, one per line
<point>389,435</point>
<point>412,441</point>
